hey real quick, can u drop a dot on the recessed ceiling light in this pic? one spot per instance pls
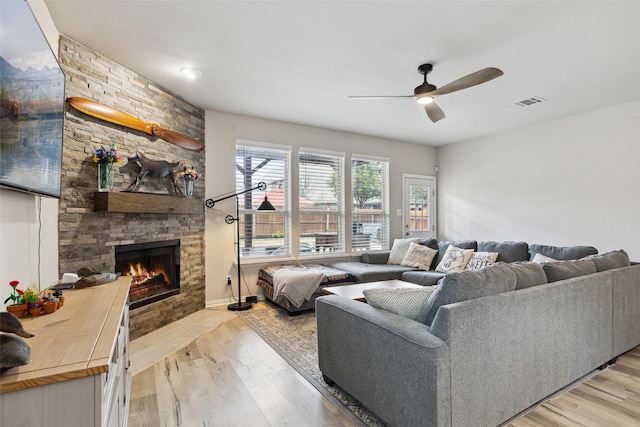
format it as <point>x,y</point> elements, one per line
<point>191,73</point>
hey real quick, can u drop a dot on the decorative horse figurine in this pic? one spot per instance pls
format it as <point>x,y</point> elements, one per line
<point>155,169</point>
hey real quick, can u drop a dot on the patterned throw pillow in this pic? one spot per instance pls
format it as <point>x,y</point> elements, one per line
<point>480,260</point>
<point>419,256</point>
<point>399,250</point>
<point>407,302</point>
<point>454,259</point>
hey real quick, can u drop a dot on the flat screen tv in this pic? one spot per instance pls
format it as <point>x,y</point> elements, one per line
<point>32,104</point>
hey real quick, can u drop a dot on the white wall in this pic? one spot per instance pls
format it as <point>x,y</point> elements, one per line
<point>573,181</point>
<point>29,248</point>
<point>222,131</point>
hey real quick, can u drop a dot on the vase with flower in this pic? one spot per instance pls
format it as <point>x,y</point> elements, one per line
<point>18,306</point>
<point>188,177</point>
<point>105,160</point>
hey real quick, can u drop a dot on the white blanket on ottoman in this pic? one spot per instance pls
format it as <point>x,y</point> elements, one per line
<point>297,286</point>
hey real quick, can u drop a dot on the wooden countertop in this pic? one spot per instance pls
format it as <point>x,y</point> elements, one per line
<point>75,341</point>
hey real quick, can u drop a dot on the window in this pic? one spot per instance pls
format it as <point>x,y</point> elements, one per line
<point>370,203</point>
<point>321,203</point>
<point>264,233</point>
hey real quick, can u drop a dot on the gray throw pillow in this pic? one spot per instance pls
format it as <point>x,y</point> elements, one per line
<point>406,302</point>
<point>562,252</point>
<point>610,260</point>
<point>563,270</point>
<point>470,284</point>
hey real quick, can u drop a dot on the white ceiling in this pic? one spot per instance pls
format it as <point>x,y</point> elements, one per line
<point>297,61</point>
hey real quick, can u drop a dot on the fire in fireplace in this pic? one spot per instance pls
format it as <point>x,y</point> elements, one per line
<point>154,268</point>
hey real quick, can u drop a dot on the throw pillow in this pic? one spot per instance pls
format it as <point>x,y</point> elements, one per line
<point>454,259</point>
<point>419,256</point>
<point>406,302</point>
<point>399,250</point>
<point>539,258</point>
<point>480,260</point>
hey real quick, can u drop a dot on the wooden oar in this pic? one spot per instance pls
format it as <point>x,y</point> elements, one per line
<point>111,115</point>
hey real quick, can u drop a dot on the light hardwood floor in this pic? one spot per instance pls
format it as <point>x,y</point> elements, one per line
<point>229,376</point>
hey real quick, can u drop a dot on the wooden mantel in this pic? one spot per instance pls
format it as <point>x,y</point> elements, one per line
<point>131,202</point>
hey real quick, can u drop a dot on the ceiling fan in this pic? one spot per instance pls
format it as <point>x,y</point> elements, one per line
<point>111,115</point>
<point>426,92</point>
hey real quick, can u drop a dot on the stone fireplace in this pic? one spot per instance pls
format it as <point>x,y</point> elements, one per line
<point>154,268</point>
<point>90,236</point>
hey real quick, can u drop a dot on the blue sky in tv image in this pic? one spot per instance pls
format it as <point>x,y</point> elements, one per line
<point>32,104</point>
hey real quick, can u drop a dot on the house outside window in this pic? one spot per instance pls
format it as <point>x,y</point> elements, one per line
<point>370,203</point>
<point>321,202</point>
<point>264,233</point>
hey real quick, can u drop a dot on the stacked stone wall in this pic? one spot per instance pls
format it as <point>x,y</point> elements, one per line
<point>88,238</point>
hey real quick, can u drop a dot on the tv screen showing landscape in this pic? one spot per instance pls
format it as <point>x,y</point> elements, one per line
<point>32,104</point>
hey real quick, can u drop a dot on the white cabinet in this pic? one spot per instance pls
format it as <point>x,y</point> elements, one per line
<point>79,373</point>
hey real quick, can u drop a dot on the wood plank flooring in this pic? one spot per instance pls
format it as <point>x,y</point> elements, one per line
<point>228,377</point>
<point>231,377</point>
<point>610,398</point>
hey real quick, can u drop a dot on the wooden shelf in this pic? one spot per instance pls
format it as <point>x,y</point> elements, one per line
<point>125,202</point>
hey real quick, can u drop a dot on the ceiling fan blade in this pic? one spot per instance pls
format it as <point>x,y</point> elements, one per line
<point>469,80</point>
<point>382,96</point>
<point>111,115</point>
<point>434,112</point>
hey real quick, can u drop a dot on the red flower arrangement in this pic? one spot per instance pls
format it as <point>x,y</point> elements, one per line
<point>16,294</point>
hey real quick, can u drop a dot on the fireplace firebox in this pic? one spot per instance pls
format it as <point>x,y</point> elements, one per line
<point>154,268</point>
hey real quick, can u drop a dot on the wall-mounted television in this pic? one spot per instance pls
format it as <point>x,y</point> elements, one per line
<point>32,104</point>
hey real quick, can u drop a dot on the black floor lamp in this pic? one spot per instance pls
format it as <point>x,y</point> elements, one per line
<point>264,206</point>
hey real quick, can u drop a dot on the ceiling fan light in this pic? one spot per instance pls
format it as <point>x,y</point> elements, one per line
<point>191,73</point>
<point>424,100</point>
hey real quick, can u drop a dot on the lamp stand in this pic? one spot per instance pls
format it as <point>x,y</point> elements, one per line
<point>264,206</point>
<point>237,306</point>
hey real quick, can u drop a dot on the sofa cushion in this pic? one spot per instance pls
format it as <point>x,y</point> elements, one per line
<point>481,260</point>
<point>399,250</point>
<point>466,285</point>
<point>610,260</point>
<point>507,251</point>
<point>424,278</point>
<point>376,257</point>
<point>527,273</point>
<point>562,270</point>
<point>406,302</point>
<point>444,245</point>
<point>373,272</point>
<point>419,256</point>
<point>562,252</point>
<point>454,259</point>
<point>429,242</point>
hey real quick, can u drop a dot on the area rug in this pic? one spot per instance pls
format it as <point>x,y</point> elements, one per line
<point>294,338</point>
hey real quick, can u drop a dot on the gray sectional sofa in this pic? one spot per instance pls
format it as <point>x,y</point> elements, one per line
<point>496,341</point>
<point>373,265</point>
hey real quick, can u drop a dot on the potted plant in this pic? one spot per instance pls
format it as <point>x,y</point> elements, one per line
<point>32,297</point>
<point>50,303</point>
<point>19,306</point>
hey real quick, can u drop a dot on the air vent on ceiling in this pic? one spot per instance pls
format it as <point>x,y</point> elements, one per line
<point>530,101</point>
